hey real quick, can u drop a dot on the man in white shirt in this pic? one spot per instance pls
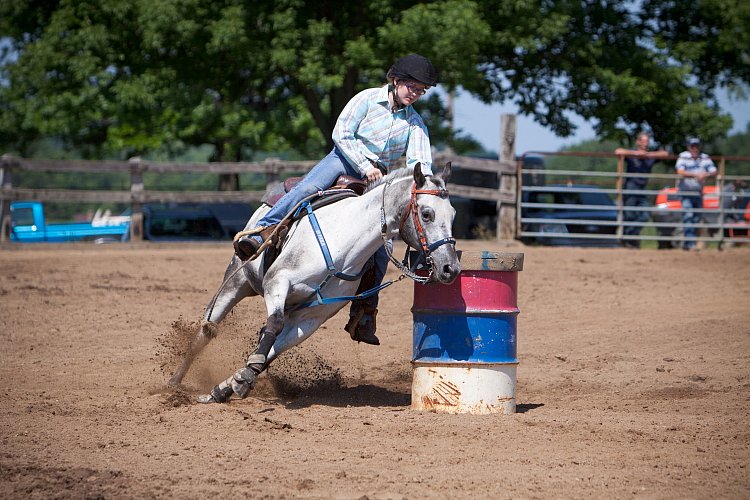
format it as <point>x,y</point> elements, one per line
<point>694,167</point>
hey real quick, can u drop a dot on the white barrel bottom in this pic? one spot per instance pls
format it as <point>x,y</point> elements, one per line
<point>481,389</point>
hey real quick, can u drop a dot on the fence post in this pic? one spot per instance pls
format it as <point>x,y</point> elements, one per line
<point>620,208</point>
<point>136,199</point>
<point>720,190</point>
<point>506,219</point>
<point>272,171</point>
<point>6,184</point>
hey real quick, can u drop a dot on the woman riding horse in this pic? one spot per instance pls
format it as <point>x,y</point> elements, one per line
<point>376,128</point>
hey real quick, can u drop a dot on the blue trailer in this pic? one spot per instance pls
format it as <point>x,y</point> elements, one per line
<point>29,225</point>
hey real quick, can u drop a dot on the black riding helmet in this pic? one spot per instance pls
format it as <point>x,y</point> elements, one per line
<point>414,67</point>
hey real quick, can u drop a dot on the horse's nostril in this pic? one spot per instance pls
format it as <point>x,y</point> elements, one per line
<point>449,270</point>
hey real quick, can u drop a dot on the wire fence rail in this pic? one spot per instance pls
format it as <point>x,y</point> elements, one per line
<point>591,206</point>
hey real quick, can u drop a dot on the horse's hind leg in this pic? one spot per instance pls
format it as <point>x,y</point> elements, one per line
<point>243,380</point>
<point>270,346</point>
<point>234,289</point>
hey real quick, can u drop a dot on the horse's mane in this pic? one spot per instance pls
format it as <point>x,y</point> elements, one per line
<point>395,174</point>
<point>401,173</point>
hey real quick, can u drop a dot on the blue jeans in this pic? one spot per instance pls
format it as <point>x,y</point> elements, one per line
<point>381,264</point>
<point>321,177</point>
<point>689,218</point>
<point>634,200</point>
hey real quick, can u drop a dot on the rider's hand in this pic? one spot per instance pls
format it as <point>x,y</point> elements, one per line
<point>373,174</point>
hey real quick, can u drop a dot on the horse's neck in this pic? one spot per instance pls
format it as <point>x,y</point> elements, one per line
<point>394,203</point>
<point>364,213</point>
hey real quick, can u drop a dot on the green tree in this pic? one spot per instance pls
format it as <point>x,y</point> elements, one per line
<point>122,78</point>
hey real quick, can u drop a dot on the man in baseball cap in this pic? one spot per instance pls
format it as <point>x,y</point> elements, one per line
<point>694,167</point>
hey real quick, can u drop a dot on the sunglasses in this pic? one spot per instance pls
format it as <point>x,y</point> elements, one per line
<point>414,89</point>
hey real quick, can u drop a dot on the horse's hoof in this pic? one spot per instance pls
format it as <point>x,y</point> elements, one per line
<point>206,398</point>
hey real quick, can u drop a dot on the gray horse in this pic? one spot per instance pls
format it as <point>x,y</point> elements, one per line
<point>404,203</point>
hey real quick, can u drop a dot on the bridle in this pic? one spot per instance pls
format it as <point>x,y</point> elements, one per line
<point>425,249</point>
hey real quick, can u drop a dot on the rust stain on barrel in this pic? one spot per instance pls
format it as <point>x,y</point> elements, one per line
<point>447,393</point>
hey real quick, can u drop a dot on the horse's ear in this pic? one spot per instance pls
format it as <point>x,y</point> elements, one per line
<point>419,179</point>
<point>446,172</point>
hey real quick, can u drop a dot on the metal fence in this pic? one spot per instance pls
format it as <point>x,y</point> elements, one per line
<point>547,202</point>
<point>589,205</point>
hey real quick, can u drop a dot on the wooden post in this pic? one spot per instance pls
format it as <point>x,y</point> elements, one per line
<point>272,172</point>
<point>506,219</point>
<point>136,199</point>
<point>720,190</point>
<point>6,184</point>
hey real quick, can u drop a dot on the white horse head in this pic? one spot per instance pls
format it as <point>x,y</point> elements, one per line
<point>426,220</point>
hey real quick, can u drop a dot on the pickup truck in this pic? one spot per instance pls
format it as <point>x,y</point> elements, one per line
<point>29,225</point>
<point>568,214</point>
<point>161,222</point>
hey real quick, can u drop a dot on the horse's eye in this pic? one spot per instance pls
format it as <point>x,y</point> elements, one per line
<point>428,214</point>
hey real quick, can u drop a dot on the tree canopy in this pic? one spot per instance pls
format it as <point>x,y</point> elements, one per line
<point>109,77</point>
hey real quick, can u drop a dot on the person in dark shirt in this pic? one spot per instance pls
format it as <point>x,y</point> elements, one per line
<point>637,161</point>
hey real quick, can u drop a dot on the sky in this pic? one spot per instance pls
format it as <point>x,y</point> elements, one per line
<point>482,121</point>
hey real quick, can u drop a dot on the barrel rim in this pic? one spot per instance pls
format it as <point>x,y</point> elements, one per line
<point>474,364</point>
<point>464,312</point>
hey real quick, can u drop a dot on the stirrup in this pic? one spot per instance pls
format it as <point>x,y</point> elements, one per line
<point>362,331</point>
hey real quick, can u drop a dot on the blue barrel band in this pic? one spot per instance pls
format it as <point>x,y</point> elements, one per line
<point>464,337</point>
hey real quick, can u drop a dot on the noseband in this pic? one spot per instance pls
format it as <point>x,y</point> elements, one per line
<point>425,249</point>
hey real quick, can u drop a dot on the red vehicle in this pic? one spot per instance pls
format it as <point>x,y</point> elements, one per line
<point>736,224</point>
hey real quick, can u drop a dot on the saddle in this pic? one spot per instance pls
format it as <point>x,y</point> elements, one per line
<point>347,186</point>
<point>342,182</point>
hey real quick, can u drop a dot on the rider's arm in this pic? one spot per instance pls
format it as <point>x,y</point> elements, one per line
<point>345,132</point>
<point>418,149</point>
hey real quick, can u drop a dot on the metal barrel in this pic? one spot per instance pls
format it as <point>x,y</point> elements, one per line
<point>464,351</point>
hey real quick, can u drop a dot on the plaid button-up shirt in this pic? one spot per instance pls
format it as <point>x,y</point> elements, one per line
<point>367,130</point>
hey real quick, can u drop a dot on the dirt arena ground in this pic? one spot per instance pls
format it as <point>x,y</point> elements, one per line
<point>634,381</point>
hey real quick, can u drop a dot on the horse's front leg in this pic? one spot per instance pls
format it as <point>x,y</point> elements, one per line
<point>243,380</point>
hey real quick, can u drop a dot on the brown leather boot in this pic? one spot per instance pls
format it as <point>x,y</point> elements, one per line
<point>362,325</point>
<point>246,246</point>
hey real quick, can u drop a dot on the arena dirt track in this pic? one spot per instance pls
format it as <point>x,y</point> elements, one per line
<point>633,381</point>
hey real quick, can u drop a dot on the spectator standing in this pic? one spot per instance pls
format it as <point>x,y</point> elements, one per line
<point>637,161</point>
<point>694,167</point>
